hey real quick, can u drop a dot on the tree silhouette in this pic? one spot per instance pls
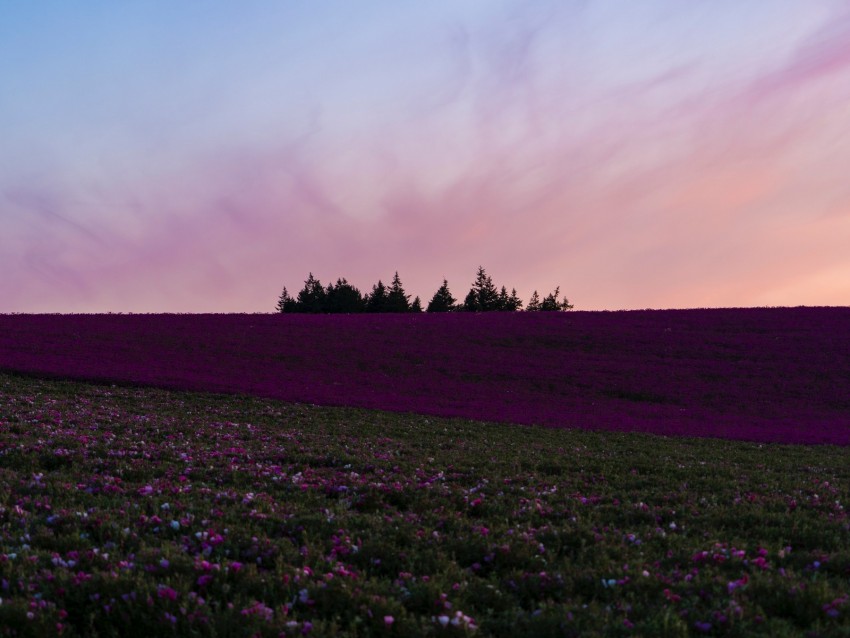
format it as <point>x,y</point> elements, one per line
<point>514,302</point>
<point>442,301</point>
<point>508,303</point>
<point>483,296</point>
<point>376,301</point>
<point>397,300</point>
<point>285,303</point>
<point>550,302</point>
<point>343,298</point>
<point>311,298</point>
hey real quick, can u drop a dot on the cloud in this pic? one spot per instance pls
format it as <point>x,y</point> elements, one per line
<point>823,54</point>
<point>46,207</point>
<point>657,188</point>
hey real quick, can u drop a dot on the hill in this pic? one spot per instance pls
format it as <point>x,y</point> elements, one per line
<point>763,374</point>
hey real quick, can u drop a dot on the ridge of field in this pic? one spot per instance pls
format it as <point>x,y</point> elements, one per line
<point>765,374</point>
<point>143,512</point>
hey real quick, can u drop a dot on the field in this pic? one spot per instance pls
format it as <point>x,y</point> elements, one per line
<point>137,511</point>
<point>761,374</point>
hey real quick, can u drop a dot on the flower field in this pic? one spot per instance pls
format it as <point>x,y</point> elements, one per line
<point>176,475</point>
<point>142,512</point>
<point>761,374</point>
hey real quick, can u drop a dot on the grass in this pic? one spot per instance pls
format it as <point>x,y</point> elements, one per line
<point>137,512</point>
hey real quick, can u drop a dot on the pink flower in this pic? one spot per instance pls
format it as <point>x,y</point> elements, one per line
<point>259,609</point>
<point>164,591</point>
<point>388,620</point>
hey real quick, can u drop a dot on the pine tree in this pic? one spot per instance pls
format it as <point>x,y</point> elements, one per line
<point>502,300</point>
<point>534,303</point>
<point>442,301</point>
<point>397,300</point>
<point>514,302</point>
<point>343,297</point>
<point>551,304</point>
<point>285,303</point>
<point>377,300</point>
<point>483,295</point>
<point>470,304</point>
<point>508,303</point>
<point>311,298</point>
<point>416,306</point>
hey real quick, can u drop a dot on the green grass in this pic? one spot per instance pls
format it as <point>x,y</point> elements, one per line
<point>138,512</point>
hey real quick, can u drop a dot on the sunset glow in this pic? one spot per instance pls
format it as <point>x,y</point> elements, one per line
<point>197,157</point>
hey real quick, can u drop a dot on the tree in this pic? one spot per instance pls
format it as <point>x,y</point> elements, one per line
<point>470,304</point>
<point>377,300</point>
<point>483,295</point>
<point>311,298</point>
<point>508,303</point>
<point>397,300</point>
<point>514,302</point>
<point>502,300</point>
<point>285,303</point>
<point>343,298</point>
<point>550,302</point>
<point>442,301</point>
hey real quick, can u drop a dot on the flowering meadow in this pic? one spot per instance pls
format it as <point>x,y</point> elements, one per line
<point>146,512</point>
<point>195,488</point>
<point>758,374</point>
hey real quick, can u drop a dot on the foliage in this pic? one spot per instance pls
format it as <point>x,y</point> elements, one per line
<point>376,301</point>
<point>137,512</point>
<point>285,303</point>
<point>508,303</point>
<point>550,302</point>
<point>483,296</point>
<point>343,298</point>
<point>442,301</point>
<point>312,297</point>
<point>397,299</point>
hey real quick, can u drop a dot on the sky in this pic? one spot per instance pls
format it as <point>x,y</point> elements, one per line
<point>197,156</point>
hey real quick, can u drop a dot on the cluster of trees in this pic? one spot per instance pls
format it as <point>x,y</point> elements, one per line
<point>344,297</point>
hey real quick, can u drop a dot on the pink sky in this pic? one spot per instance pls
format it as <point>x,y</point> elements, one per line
<point>660,156</point>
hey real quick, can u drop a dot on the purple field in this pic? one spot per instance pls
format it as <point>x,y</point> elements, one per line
<point>764,374</point>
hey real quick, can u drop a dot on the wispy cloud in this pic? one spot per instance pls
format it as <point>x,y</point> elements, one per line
<point>532,141</point>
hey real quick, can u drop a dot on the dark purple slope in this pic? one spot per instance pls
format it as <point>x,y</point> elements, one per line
<point>772,374</point>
